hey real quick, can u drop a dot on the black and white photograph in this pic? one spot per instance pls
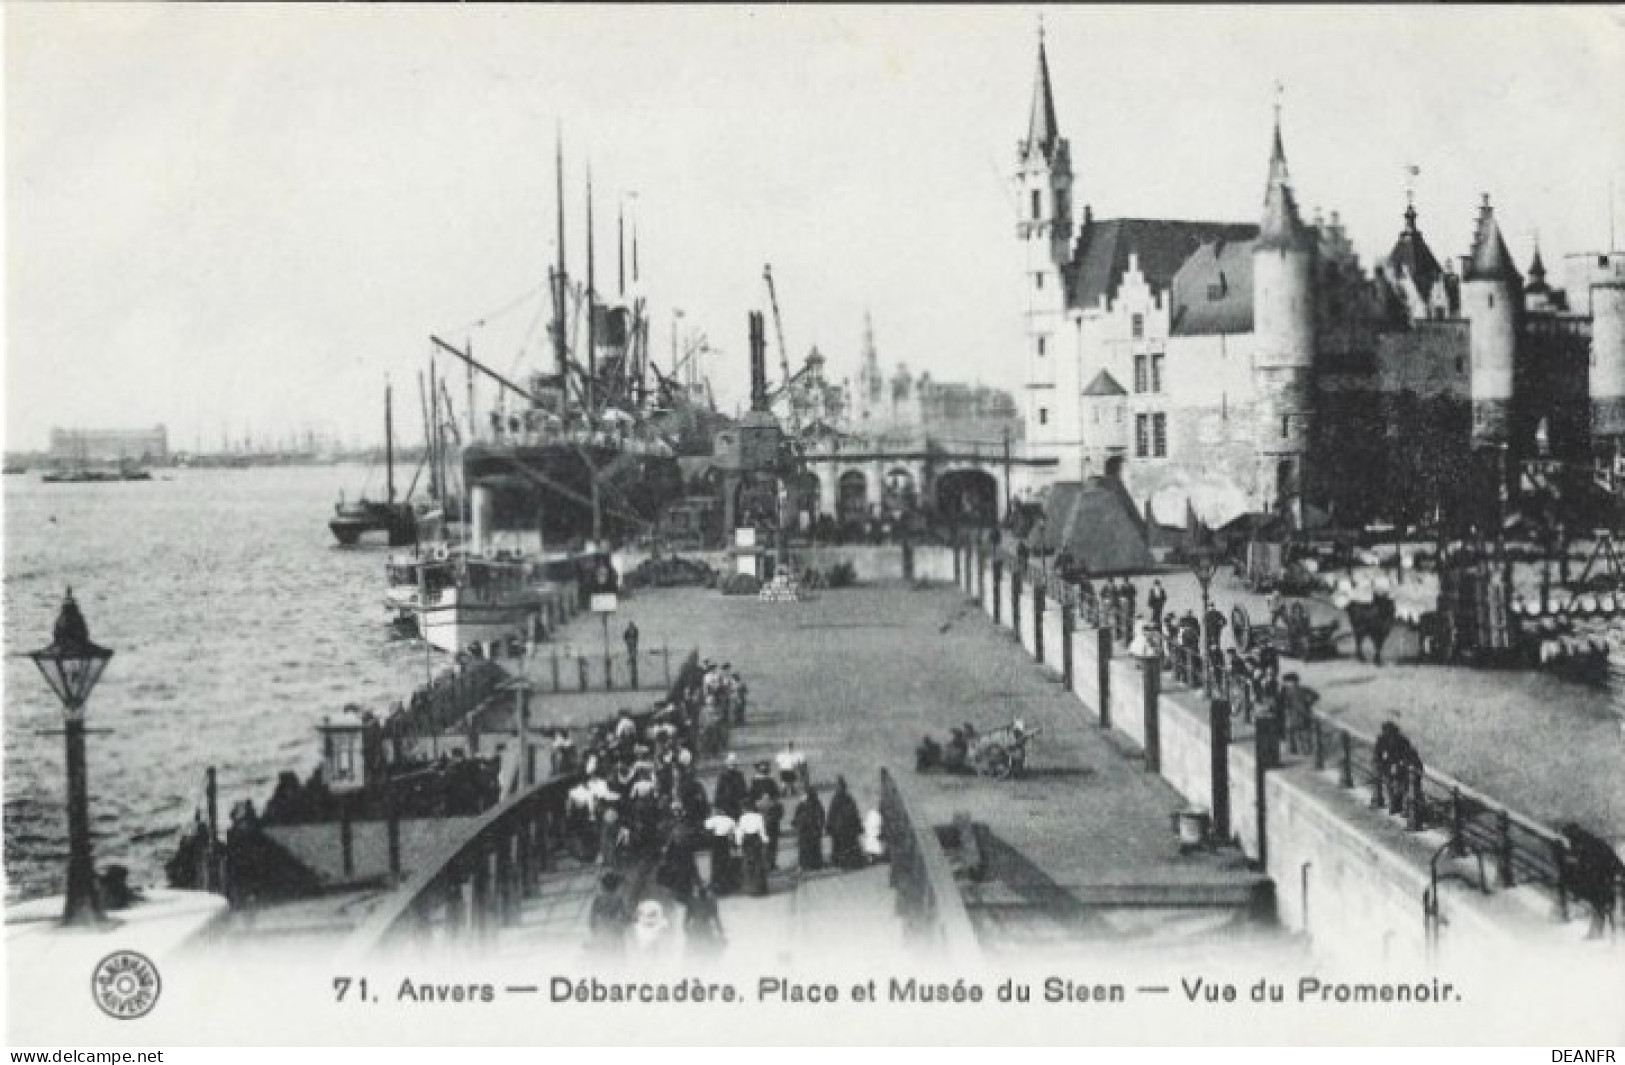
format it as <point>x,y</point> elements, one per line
<point>814,525</point>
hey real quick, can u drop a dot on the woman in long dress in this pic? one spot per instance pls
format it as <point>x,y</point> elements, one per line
<point>808,822</point>
<point>845,828</point>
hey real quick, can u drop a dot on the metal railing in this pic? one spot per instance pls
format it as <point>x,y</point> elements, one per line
<point>928,900</point>
<point>649,670</point>
<point>476,883</point>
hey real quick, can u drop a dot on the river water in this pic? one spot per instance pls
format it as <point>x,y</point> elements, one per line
<point>236,623</point>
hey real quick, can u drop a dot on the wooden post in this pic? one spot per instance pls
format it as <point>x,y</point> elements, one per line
<point>1068,624</point>
<point>211,855</point>
<point>1015,603</point>
<point>609,672</point>
<point>1219,731</point>
<point>1319,739</point>
<point>1345,772</point>
<point>346,844</point>
<point>1266,748</point>
<point>632,669</point>
<point>1038,622</point>
<point>1152,677</point>
<point>998,588</point>
<point>1103,669</point>
<point>665,657</point>
<point>555,663</point>
<point>581,671</point>
<point>981,573</point>
<point>1503,848</point>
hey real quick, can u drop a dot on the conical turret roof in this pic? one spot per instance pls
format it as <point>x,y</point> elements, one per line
<point>1490,260</point>
<point>1411,255</point>
<point>1282,227</point>
<point>1043,132</point>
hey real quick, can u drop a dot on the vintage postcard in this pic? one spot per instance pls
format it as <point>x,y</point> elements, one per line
<point>814,525</point>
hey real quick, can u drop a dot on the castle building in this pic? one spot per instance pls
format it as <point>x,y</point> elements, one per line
<point>1256,366</point>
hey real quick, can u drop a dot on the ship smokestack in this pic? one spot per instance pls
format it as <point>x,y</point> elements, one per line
<point>758,362</point>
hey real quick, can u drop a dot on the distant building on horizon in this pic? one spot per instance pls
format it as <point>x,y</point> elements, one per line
<point>79,446</point>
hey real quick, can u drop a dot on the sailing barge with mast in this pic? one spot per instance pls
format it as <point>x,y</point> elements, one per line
<point>397,520</point>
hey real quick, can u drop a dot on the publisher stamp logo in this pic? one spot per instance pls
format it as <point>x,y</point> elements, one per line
<point>125,985</point>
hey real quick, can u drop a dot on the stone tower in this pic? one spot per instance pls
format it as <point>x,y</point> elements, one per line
<point>1607,376</point>
<point>1284,339</point>
<point>1490,290</point>
<point>1044,182</point>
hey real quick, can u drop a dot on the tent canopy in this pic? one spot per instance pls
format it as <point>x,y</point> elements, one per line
<point>1098,523</point>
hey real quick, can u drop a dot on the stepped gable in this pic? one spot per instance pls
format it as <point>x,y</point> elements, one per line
<point>1101,255</point>
<point>1213,291</point>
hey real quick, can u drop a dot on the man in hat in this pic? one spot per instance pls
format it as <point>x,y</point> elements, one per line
<point>1156,602</point>
<point>764,795</point>
<point>729,794</point>
<point>1297,703</point>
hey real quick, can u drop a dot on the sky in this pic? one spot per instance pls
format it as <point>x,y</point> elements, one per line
<point>242,219</point>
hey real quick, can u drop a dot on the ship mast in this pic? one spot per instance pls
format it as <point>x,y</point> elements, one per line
<point>592,316</point>
<point>389,440</point>
<point>560,282</point>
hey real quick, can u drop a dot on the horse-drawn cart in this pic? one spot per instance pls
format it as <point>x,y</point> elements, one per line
<point>1002,753</point>
<point>1289,629</point>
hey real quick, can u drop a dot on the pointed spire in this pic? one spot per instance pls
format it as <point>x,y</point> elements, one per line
<point>1043,132</point>
<point>1281,227</point>
<point>1490,260</point>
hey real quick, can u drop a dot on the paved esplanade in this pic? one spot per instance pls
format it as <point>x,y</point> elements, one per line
<point>858,676</point>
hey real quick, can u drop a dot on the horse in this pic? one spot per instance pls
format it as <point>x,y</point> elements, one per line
<point>1375,620</point>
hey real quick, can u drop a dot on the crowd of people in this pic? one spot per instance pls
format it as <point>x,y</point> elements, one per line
<point>642,813</point>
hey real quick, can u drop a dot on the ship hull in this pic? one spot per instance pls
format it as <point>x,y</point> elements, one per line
<point>548,488</point>
<point>396,522</point>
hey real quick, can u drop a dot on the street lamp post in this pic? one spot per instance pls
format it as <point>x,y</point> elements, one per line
<point>72,665</point>
<point>1203,566</point>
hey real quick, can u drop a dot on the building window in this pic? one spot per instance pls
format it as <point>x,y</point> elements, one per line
<point>1459,366</point>
<point>1142,436</point>
<point>1038,280</point>
<point>1043,415</point>
<point>1040,347</point>
<point>1038,205</point>
<point>1137,323</point>
<point>1156,371</point>
<point>1286,425</point>
<point>1139,372</point>
<point>1159,435</point>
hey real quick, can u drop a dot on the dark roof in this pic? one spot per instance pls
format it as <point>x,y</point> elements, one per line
<point>1213,291</point>
<point>1042,130</point>
<point>1411,255</point>
<point>1101,254</point>
<point>1490,260</point>
<point>1105,384</point>
<point>1097,521</point>
<point>1281,227</point>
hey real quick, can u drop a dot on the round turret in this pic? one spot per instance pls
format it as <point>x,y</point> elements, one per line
<point>1608,360</point>
<point>1490,290</point>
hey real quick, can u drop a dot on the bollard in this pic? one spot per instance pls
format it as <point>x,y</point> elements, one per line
<point>1068,623</point>
<point>1103,666</point>
<point>1152,677</point>
<point>1345,772</point>
<point>1038,622</point>
<point>609,674</point>
<point>1219,731</point>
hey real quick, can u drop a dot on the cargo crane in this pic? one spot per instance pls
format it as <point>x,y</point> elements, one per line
<point>787,389</point>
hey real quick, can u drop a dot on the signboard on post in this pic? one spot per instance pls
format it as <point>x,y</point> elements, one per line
<point>604,602</point>
<point>603,586</point>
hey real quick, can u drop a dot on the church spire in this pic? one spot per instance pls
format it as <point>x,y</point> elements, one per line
<point>1281,226</point>
<point>1043,132</point>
